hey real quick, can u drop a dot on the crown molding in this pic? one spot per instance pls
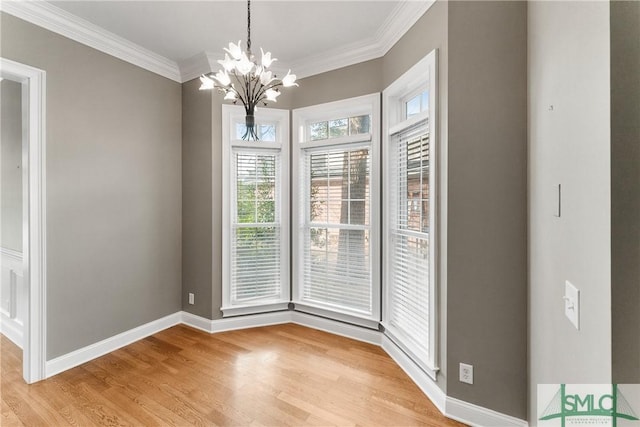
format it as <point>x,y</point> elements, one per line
<point>399,21</point>
<point>54,19</point>
<point>195,66</point>
<point>333,59</point>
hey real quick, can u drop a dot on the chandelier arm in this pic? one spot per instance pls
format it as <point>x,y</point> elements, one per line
<point>250,89</point>
<point>247,86</point>
<point>235,75</point>
<point>264,89</point>
<point>230,88</point>
<point>256,91</point>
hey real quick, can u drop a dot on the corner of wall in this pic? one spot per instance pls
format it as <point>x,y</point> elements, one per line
<point>197,204</point>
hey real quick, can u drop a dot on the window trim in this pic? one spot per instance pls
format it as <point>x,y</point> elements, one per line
<point>231,114</point>
<point>367,104</point>
<point>394,122</point>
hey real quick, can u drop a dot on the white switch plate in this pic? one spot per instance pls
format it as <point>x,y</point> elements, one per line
<point>572,303</point>
<point>191,298</point>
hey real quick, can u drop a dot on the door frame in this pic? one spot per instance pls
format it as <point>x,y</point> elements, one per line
<point>34,257</point>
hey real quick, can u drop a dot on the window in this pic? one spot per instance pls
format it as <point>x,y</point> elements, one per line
<point>409,230</point>
<point>336,207</point>
<point>255,213</point>
<point>415,103</point>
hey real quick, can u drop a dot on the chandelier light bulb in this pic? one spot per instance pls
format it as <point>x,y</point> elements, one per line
<point>207,83</point>
<point>227,63</point>
<point>266,77</point>
<point>289,80</point>
<point>266,59</point>
<point>235,50</point>
<point>272,94</point>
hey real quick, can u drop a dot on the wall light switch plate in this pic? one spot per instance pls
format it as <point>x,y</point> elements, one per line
<point>572,303</point>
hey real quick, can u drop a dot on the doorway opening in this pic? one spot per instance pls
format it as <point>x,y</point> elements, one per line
<point>23,240</point>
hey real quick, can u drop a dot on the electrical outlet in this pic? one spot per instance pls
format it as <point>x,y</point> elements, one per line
<point>191,298</point>
<point>466,373</point>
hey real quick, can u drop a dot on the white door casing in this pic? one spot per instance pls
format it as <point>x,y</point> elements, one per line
<point>33,83</point>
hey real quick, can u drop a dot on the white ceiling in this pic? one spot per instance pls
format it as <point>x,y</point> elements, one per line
<point>182,39</point>
<point>291,30</point>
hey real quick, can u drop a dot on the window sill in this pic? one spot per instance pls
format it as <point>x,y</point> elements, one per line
<point>241,310</point>
<point>306,307</point>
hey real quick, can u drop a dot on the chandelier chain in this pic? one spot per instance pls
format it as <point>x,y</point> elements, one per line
<point>249,26</point>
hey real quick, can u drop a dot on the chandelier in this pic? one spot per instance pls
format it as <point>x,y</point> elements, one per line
<point>243,79</point>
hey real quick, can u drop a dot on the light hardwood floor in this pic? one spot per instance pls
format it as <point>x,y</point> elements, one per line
<point>273,376</point>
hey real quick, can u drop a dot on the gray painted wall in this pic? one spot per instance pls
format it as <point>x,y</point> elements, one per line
<point>487,203</point>
<point>625,190</point>
<point>570,146</point>
<point>113,188</point>
<point>348,82</point>
<point>11,168</point>
<point>197,240</point>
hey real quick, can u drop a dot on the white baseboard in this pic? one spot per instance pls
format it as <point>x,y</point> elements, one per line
<point>237,322</point>
<point>337,328</point>
<point>11,329</point>
<point>453,408</point>
<point>277,318</point>
<point>475,415</point>
<point>250,321</point>
<point>93,351</point>
<point>196,321</point>
<point>417,375</point>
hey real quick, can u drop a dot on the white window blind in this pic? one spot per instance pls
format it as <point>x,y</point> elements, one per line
<point>409,287</point>
<point>337,261</point>
<point>255,244</point>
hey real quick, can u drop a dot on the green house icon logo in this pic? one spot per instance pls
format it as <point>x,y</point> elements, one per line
<point>565,405</point>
